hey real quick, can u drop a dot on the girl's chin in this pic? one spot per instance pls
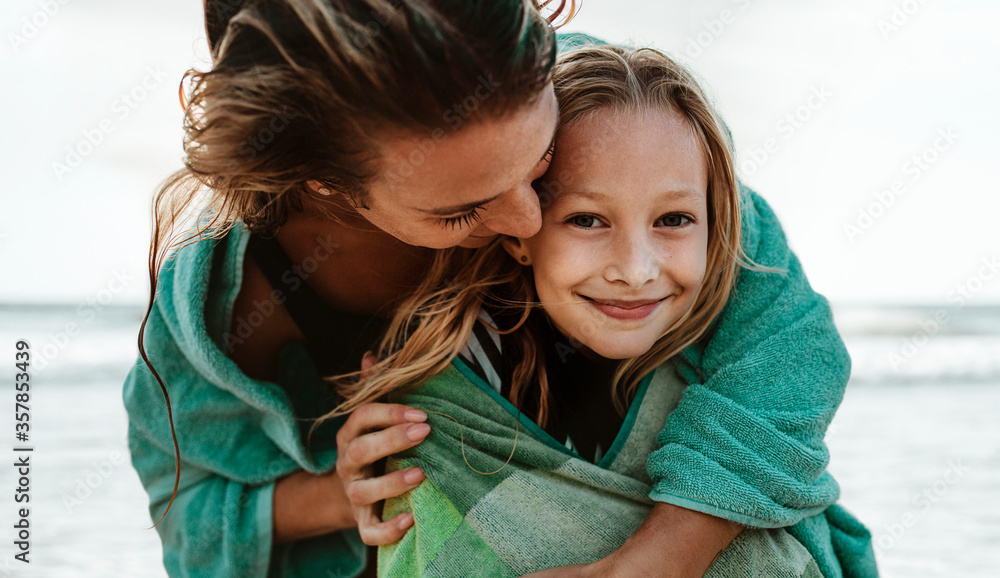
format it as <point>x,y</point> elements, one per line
<point>609,350</point>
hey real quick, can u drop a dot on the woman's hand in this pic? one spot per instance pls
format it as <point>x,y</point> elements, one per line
<point>350,495</point>
<point>372,432</point>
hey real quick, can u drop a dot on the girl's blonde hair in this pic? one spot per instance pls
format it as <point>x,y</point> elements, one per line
<point>433,325</point>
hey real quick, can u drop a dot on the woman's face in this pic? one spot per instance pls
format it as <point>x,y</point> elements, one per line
<point>464,184</point>
<point>622,251</point>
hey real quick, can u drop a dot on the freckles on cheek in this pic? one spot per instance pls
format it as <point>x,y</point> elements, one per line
<point>687,266</point>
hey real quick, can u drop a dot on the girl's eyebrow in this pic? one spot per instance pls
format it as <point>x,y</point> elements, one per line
<point>678,194</point>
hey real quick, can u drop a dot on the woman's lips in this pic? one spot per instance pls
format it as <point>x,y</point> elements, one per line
<point>625,310</point>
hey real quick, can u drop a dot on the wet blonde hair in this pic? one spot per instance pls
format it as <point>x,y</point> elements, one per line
<point>433,325</point>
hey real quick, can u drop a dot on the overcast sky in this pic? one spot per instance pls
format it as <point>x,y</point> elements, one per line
<point>869,125</point>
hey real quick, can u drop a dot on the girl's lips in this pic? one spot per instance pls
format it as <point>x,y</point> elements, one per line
<point>625,310</point>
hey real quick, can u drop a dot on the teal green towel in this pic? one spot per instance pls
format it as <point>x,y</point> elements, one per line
<point>746,441</point>
<point>546,506</point>
<point>237,435</point>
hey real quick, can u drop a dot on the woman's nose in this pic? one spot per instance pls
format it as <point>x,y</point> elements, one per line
<point>515,213</point>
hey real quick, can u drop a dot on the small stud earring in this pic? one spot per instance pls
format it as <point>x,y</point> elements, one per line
<point>325,191</point>
<point>524,259</point>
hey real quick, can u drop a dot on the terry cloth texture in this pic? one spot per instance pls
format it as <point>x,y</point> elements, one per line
<point>547,507</point>
<point>237,435</point>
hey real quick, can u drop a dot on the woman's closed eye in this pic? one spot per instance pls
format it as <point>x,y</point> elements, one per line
<point>465,220</point>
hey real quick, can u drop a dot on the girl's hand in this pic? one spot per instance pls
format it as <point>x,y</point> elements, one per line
<point>372,432</point>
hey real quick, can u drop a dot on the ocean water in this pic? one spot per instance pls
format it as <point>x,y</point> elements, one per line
<point>915,445</point>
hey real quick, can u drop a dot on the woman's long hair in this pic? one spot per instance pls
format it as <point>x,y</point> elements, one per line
<point>300,89</point>
<point>433,325</point>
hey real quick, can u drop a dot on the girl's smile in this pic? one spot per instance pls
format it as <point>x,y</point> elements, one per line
<point>625,310</point>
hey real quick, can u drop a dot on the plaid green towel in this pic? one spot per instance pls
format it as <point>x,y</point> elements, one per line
<point>547,507</point>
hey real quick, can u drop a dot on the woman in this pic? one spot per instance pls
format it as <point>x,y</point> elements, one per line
<point>337,137</point>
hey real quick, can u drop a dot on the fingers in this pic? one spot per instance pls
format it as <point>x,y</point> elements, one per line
<point>367,361</point>
<point>369,491</point>
<point>376,416</point>
<point>376,533</point>
<point>370,448</point>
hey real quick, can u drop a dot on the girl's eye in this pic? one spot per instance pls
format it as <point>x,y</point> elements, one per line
<point>674,220</point>
<point>585,221</point>
<point>462,220</point>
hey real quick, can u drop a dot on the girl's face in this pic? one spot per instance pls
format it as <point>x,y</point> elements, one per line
<point>622,251</point>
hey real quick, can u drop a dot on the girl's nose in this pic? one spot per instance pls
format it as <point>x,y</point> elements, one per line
<point>633,261</point>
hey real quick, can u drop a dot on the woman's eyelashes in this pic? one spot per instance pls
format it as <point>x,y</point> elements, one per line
<point>462,220</point>
<point>547,157</point>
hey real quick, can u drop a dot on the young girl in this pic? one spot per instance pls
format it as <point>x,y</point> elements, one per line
<point>536,464</point>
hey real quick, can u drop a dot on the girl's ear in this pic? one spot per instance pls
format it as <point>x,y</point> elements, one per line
<point>516,249</point>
